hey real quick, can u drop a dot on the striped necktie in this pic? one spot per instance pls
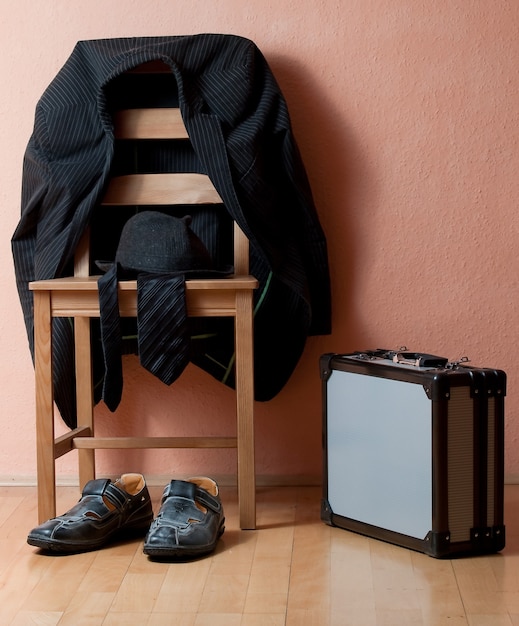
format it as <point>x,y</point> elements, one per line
<point>162,329</point>
<point>162,325</point>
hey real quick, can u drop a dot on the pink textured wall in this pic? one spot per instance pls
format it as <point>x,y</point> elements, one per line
<point>406,113</point>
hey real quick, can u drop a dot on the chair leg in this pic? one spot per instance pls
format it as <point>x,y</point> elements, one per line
<point>46,473</point>
<point>245,410</point>
<point>85,395</point>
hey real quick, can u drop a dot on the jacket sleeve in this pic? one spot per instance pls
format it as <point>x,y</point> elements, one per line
<point>35,184</point>
<point>32,260</point>
<point>267,189</point>
<point>274,186</point>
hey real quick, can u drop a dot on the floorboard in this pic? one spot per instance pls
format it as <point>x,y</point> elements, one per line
<point>294,570</point>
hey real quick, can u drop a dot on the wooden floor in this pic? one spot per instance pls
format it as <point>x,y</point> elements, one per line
<point>293,570</point>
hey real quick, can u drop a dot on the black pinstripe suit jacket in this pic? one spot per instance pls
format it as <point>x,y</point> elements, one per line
<point>240,130</point>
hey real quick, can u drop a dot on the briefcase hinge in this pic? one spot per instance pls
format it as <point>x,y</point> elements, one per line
<point>488,535</point>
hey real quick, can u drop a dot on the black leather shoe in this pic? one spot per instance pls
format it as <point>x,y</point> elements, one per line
<point>190,520</point>
<point>106,509</point>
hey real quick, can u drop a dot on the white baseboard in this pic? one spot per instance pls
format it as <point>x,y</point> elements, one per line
<point>161,481</point>
<point>223,480</point>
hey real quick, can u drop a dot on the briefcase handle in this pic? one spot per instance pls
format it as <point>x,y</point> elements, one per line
<point>419,359</point>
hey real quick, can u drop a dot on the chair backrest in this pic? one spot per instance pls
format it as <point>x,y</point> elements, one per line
<point>156,189</point>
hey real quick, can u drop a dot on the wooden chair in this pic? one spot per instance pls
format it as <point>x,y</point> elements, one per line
<point>77,297</point>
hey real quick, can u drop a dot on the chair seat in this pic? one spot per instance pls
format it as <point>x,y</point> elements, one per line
<point>87,283</point>
<point>205,297</point>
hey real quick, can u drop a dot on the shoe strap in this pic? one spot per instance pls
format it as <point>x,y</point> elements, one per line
<point>185,489</point>
<point>105,487</point>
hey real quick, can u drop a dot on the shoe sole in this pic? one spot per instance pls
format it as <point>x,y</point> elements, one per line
<point>63,547</point>
<point>182,552</point>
